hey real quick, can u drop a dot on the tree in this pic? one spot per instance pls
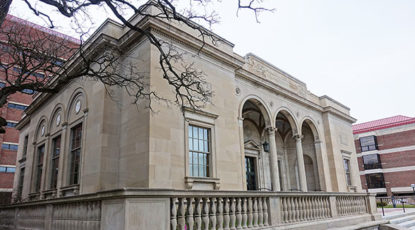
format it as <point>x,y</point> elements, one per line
<point>42,53</point>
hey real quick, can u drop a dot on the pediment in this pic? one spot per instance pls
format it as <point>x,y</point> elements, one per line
<point>250,144</point>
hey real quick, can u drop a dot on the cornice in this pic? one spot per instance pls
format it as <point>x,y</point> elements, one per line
<point>243,73</point>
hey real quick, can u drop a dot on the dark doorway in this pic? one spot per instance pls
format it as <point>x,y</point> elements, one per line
<point>250,173</point>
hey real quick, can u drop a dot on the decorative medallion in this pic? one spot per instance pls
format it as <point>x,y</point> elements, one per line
<point>58,119</point>
<point>271,104</point>
<point>77,106</point>
<point>238,91</point>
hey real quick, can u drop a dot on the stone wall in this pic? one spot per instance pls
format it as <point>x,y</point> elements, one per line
<point>177,210</point>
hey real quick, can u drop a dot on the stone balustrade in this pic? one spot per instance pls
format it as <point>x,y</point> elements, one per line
<point>228,212</point>
<point>187,210</point>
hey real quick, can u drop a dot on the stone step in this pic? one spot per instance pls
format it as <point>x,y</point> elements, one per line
<point>408,224</point>
<point>402,219</point>
<point>390,217</point>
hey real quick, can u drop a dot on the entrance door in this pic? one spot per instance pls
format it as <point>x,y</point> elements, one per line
<point>250,173</point>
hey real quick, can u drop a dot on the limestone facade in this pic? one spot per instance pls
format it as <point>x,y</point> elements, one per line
<point>263,130</point>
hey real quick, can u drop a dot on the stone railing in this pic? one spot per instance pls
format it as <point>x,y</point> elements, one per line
<point>251,210</point>
<point>189,210</point>
<point>227,212</point>
<point>305,208</point>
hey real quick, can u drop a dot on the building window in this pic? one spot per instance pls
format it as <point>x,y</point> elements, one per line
<point>2,84</point>
<point>25,143</point>
<point>75,154</point>
<point>20,185</point>
<point>39,167</point>
<point>56,149</point>
<point>11,124</point>
<point>28,91</point>
<point>368,143</point>
<point>16,106</point>
<point>375,180</point>
<point>6,169</point>
<point>7,146</point>
<point>199,151</point>
<point>372,161</point>
<point>346,163</point>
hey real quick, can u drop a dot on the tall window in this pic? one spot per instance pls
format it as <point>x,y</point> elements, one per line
<point>199,151</point>
<point>20,185</point>
<point>39,167</point>
<point>56,149</point>
<point>375,180</point>
<point>372,161</point>
<point>75,155</point>
<point>368,143</point>
<point>346,163</point>
<point>26,141</point>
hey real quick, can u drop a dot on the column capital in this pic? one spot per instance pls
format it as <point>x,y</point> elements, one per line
<point>298,137</point>
<point>271,130</point>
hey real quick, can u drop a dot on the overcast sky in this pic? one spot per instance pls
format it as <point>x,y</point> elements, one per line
<point>359,52</point>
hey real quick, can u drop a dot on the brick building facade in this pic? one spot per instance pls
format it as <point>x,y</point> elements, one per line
<point>15,107</point>
<point>386,155</point>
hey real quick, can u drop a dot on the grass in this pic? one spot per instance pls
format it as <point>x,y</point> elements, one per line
<point>399,206</point>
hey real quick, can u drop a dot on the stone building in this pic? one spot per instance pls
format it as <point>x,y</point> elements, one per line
<point>264,152</point>
<point>386,155</point>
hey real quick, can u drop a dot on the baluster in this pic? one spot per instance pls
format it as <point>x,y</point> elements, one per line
<point>226,214</point>
<point>255,212</point>
<point>238,214</point>
<point>198,214</point>
<point>319,202</point>
<point>181,215</point>
<point>283,209</point>
<point>173,214</point>
<point>260,213</point>
<point>265,208</point>
<point>190,217</point>
<point>326,208</point>
<point>219,214</point>
<point>350,206</point>
<point>295,209</point>
<point>304,209</point>
<point>205,214</point>
<point>244,213</point>
<point>299,209</point>
<point>312,208</point>
<point>213,213</point>
<point>250,216</point>
<point>309,216</point>
<point>233,214</point>
<point>291,209</point>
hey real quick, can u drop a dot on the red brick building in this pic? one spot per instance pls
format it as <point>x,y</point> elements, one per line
<point>386,155</point>
<point>15,107</point>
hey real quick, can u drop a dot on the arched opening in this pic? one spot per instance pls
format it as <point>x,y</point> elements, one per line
<point>286,148</point>
<point>255,121</point>
<point>315,177</point>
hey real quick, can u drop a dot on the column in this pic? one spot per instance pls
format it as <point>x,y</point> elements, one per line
<point>242,147</point>
<point>275,178</point>
<point>300,162</point>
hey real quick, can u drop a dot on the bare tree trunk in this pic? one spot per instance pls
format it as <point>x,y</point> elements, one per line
<point>4,9</point>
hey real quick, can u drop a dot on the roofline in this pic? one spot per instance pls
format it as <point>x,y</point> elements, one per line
<point>42,28</point>
<point>385,126</point>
